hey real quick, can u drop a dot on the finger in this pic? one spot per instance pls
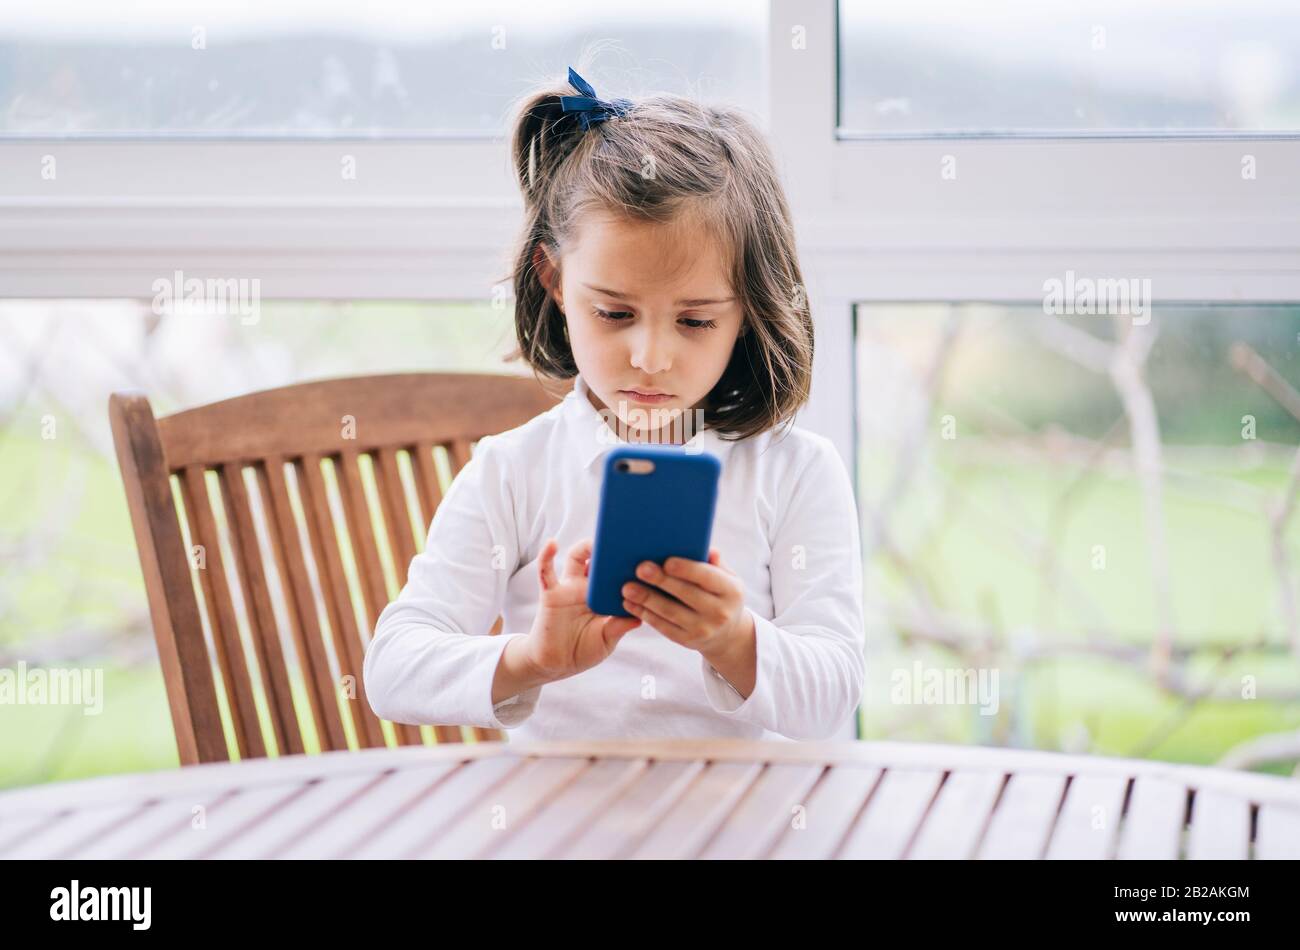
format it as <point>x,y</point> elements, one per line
<point>711,577</point>
<point>681,614</point>
<point>691,594</point>
<point>714,556</point>
<point>661,623</point>
<point>615,628</point>
<point>546,565</point>
<point>575,565</point>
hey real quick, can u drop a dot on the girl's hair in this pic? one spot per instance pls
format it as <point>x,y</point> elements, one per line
<point>668,159</point>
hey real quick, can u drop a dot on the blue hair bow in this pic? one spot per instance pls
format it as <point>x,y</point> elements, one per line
<point>590,108</point>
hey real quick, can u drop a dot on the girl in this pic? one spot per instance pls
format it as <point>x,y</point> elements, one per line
<point>657,270</point>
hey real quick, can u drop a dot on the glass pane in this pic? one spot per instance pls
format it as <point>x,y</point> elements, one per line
<point>330,67</point>
<point>70,578</point>
<point>1124,66</point>
<point>1064,528</point>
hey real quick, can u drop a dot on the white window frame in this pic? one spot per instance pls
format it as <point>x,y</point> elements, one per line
<point>876,221</point>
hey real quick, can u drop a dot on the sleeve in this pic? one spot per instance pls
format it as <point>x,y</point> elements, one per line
<point>431,659</point>
<point>811,665</point>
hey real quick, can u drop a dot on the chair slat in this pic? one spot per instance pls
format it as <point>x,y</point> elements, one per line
<point>397,518</point>
<point>458,451</point>
<point>338,601</point>
<point>173,606</point>
<point>428,489</point>
<point>303,620</point>
<point>261,616</point>
<point>374,592</point>
<point>221,615</point>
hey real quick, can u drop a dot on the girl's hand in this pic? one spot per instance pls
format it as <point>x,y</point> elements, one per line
<point>708,614</point>
<point>567,637</point>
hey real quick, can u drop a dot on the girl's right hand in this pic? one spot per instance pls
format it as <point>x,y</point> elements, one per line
<point>567,637</point>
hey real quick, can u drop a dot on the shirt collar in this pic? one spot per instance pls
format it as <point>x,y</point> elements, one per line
<point>592,437</point>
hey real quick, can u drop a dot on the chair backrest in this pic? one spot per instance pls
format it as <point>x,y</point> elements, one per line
<point>333,485</point>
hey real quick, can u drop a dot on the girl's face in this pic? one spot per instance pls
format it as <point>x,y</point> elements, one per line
<point>650,310</point>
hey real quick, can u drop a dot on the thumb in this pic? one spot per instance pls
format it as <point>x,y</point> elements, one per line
<point>615,628</point>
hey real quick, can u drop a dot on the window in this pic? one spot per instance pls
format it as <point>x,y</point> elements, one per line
<point>1030,511</point>
<point>311,68</point>
<point>1069,66</point>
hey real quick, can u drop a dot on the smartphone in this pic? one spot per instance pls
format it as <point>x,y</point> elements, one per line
<point>656,502</point>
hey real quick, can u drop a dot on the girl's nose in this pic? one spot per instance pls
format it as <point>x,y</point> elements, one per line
<point>651,352</point>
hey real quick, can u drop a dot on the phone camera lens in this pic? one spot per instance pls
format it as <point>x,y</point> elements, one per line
<point>622,466</point>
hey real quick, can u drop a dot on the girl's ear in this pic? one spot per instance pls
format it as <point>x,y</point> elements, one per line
<point>547,273</point>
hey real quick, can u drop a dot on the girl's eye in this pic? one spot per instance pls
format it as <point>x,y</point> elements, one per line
<point>622,316</point>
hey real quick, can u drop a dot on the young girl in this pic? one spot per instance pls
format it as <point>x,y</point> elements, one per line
<point>657,270</point>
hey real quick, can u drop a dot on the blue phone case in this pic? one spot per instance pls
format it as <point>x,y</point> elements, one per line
<point>650,517</point>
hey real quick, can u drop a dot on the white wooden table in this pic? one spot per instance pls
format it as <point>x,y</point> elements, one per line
<point>698,798</point>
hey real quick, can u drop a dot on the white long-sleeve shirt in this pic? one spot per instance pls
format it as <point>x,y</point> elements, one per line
<point>786,523</point>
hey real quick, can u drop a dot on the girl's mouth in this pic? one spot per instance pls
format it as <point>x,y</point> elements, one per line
<point>645,397</point>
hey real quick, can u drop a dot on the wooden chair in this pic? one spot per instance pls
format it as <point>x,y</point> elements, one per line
<point>292,471</point>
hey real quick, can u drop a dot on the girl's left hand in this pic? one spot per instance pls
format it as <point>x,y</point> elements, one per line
<point>709,612</point>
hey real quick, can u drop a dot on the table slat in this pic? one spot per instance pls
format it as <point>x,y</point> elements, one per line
<point>498,816</point>
<point>767,811</point>
<point>16,828</point>
<point>629,818</point>
<point>1277,833</point>
<point>893,814</point>
<point>1220,826</point>
<point>692,820</point>
<point>298,819</point>
<point>426,819</point>
<point>566,817</point>
<point>953,827</point>
<point>61,838</point>
<point>1088,826</point>
<point>230,814</point>
<point>832,807</point>
<point>1023,819</point>
<point>1153,825</point>
<point>357,821</point>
